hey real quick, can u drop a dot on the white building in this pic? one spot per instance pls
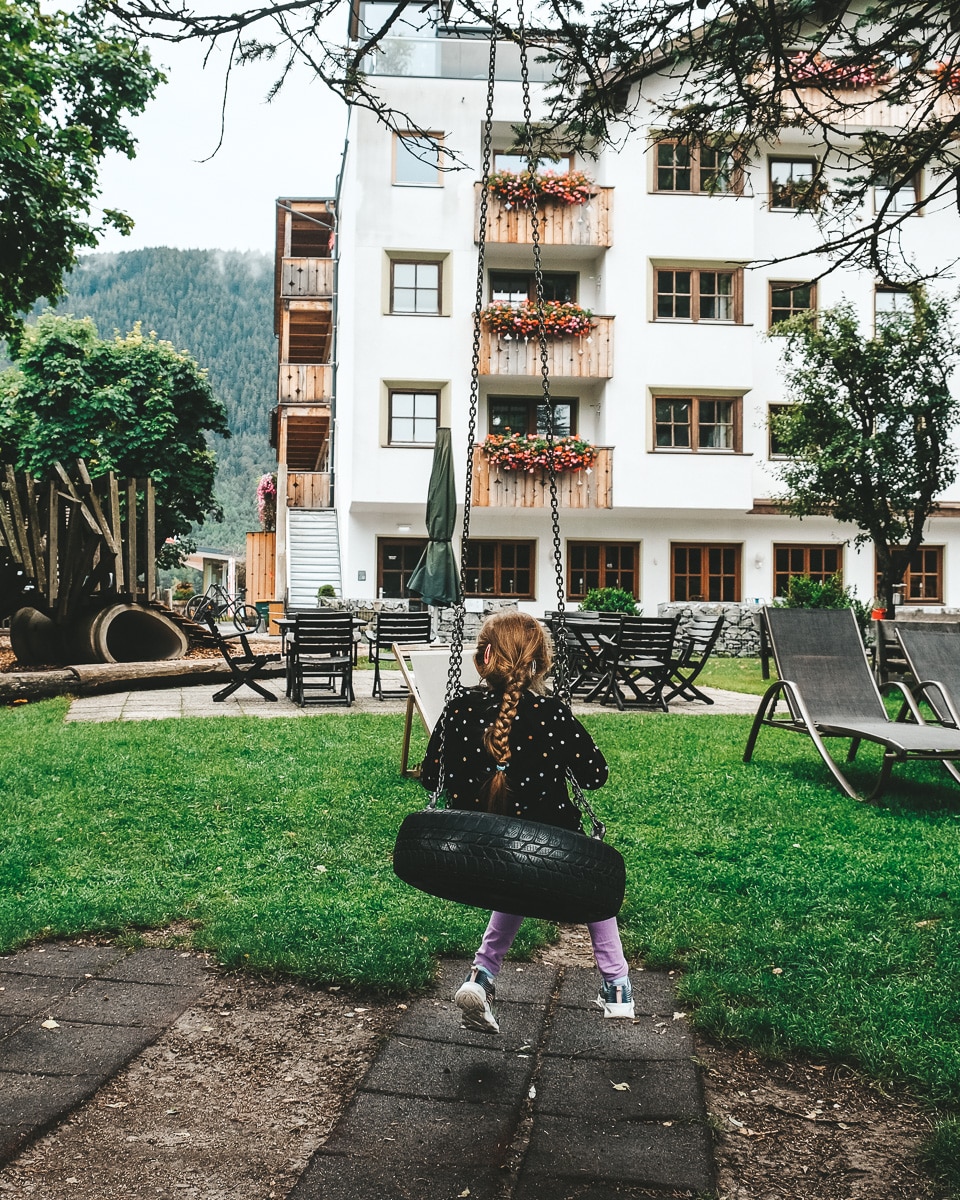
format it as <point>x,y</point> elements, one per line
<point>675,383</point>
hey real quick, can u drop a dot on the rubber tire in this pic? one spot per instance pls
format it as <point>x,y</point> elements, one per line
<point>510,865</point>
<point>246,619</point>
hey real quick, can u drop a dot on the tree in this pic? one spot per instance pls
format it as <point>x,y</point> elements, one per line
<point>67,82</point>
<point>133,405</point>
<point>731,72</point>
<point>869,424</point>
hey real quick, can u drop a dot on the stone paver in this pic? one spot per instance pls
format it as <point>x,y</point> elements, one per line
<point>72,1017</point>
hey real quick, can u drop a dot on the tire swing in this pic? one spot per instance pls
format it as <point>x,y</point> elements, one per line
<point>482,859</point>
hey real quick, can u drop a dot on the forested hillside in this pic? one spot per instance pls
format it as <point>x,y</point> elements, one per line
<point>218,305</point>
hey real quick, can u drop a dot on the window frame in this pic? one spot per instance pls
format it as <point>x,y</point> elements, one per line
<point>880,289</point>
<point>416,262</point>
<point>404,135</point>
<point>913,210</point>
<point>415,545</point>
<point>791,285</point>
<point>736,172</point>
<point>793,206</point>
<point>566,158</point>
<point>937,549</point>
<point>531,283</point>
<point>412,391</point>
<point>704,548</point>
<point>695,402</point>
<point>499,569</point>
<point>772,455</point>
<point>695,295</point>
<point>575,545</point>
<point>533,403</point>
<point>806,548</point>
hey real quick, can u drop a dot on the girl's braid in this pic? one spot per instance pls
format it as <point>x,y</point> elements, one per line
<point>496,739</point>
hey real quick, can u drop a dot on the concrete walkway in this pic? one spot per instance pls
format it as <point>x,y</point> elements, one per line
<point>197,700</point>
<point>563,1105</point>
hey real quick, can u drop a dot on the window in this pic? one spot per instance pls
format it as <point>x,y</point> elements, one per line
<point>819,562</point>
<point>413,417</point>
<point>396,559</point>
<point>517,287</point>
<point>500,568</point>
<point>510,160</point>
<point>794,183</point>
<point>923,579</point>
<point>775,447</point>
<point>696,423</point>
<point>415,287</point>
<point>889,302</point>
<point>697,294</point>
<point>903,196</point>
<point>416,159</point>
<point>602,564</point>
<point>788,299</point>
<point>521,414</point>
<point>704,572</point>
<point>681,167</point>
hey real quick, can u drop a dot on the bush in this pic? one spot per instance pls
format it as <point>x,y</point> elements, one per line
<point>327,590</point>
<point>805,592</point>
<point>610,599</point>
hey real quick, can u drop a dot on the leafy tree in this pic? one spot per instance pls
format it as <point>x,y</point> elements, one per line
<point>868,430</point>
<point>730,72</point>
<point>67,82</point>
<point>133,405</point>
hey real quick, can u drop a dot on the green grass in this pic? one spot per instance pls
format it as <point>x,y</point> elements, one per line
<point>736,675</point>
<point>803,921</point>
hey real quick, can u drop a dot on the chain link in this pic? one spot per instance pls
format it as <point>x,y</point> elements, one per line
<point>561,671</point>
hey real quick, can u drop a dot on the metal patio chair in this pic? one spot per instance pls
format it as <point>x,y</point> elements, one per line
<point>933,654</point>
<point>830,692</point>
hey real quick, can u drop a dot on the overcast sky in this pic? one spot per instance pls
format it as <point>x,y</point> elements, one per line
<point>289,147</point>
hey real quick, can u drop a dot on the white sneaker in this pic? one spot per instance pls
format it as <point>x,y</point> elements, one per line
<point>616,999</point>
<point>474,999</point>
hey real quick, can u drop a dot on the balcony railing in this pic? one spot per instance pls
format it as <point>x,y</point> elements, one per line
<point>587,357</point>
<point>308,489</point>
<point>311,277</point>
<point>450,58</point>
<point>305,383</point>
<point>559,224</point>
<point>864,107</point>
<point>495,488</point>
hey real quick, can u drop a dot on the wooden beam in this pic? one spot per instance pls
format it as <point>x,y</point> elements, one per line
<point>113,504</point>
<point>6,524</point>
<point>90,498</point>
<point>53,542</point>
<point>36,533</point>
<point>19,525</point>
<point>150,548</point>
<point>131,541</point>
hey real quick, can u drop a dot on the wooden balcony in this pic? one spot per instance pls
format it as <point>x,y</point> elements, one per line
<point>589,357</point>
<point>496,488</point>
<point>305,383</point>
<point>306,277</point>
<point>560,224</point>
<point>864,107</point>
<point>308,489</point>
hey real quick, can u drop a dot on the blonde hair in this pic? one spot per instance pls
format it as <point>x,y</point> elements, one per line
<point>513,656</point>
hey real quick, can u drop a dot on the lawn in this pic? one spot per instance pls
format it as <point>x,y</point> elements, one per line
<point>736,675</point>
<point>802,921</point>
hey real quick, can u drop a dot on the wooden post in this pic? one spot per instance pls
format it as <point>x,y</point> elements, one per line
<point>53,542</point>
<point>36,534</point>
<point>113,504</point>
<point>150,547</point>
<point>19,527</point>
<point>131,563</point>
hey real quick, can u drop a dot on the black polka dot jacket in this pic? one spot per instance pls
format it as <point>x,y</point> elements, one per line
<point>546,739</point>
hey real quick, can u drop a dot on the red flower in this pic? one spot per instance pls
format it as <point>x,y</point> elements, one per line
<point>529,452</point>
<point>521,320</point>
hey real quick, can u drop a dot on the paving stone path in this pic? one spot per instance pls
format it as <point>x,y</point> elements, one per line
<point>563,1105</point>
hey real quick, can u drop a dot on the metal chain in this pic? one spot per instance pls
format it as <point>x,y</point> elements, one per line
<point>454,671</point>
<point>561,671</point>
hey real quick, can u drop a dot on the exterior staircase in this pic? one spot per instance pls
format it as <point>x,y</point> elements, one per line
<point>313,554</point>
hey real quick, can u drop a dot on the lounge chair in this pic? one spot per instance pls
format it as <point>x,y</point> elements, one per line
<point>933,655</point>
<point>831,693</point>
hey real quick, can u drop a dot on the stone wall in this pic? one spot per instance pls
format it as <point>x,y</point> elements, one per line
<point>740,636</point>
<point>441,618</point>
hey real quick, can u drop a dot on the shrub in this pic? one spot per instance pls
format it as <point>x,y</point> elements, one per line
<point>327,590</point>
<point>805,592</point>
<point>610,599</point>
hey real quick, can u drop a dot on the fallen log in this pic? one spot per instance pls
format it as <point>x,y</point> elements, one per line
<point>86,679</point>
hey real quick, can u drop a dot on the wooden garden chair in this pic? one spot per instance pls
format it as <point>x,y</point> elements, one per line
<point>245,668</point>
<point>424,670</point>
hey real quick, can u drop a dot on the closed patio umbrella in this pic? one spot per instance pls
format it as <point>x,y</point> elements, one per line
<point>435,577</point>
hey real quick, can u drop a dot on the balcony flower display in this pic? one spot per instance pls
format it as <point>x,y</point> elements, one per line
<point>820,71</point>
<point>530,452</point>
<point>267,502</point>
<point>524,187</point>
<point>560,320</point>
<point>948,75</point>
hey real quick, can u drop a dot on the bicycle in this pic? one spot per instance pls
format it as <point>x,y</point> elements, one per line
<point>216,602</point>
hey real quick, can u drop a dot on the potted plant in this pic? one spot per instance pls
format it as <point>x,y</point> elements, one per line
<point>267,502</point>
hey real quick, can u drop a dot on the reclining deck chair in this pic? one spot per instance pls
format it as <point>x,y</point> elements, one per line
<point>933,655</point>
<point>831,693</point>
<point>425,675</point>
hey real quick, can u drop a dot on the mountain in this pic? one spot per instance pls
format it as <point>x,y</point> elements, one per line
<point>218,305</point>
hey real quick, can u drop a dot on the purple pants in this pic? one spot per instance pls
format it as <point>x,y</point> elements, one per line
<point>503,928</point>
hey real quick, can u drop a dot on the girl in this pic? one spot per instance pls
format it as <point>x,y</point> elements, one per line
<point>506,749</point>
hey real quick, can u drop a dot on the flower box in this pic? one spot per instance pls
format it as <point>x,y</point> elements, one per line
<point>817,70</point>
<point>521,320</point>
<point>523,188</point>
<point>529,452</point>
